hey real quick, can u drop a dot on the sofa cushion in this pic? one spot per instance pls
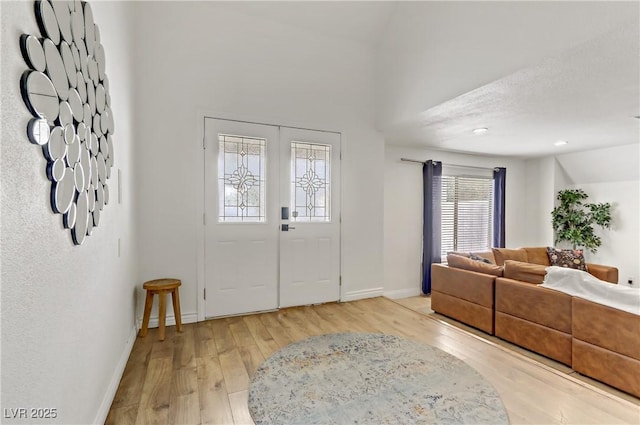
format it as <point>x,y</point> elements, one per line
<point>465,263</point>
<point>537,255</point>
<point>526,272</point>
<point>534,303</point>
<point>571,258</point>
<point>502,254</point>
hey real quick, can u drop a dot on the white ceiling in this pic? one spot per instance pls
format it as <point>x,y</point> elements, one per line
<point>587,95</point>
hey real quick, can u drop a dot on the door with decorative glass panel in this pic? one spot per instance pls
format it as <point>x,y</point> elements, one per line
<point>310,188</point>
<point>272,232</point>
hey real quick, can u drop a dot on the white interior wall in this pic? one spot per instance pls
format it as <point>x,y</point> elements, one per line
<point>610,175</point>
<point>403,211</point>
<point>200,57</point>
<point>540,187</point>
<point>67,311</point>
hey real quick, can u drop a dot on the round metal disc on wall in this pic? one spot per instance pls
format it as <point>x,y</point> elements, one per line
<point>73,151</point>
<point>69,64</point>
<point>96,125</point>
<point>84,60</point>
<point>69,218</point>
<point>77,25</point>
<point>85,160</point>
<point>99,197</point>
<point>76,61</point>
<point>56,170</point>
<point>91,97</point>
<point>63,15</point>
<point>69,132</point>
<point>104,146</point>
<point>93,147</point>
<point>79,231</point>
<point>56,148</point>
<point>106,194</point>
<point>78,177</point>
<point>94,172</point>
<point>96,217</point>
<point>63,192</point>
<point>101,60</point>
<point>81,129</point>
<point>93,71</point>
<point>90,224</point>
<point>38,131</point>
<point>40,96</point>
<point>47,21</point>
<point>76,105</point>
<point>91,196</point>
<point>56,70</point>
<point>100,98</point>
<point>87,117</point>
<point>33,52</point>
<point>102,168</point>
<point>65,117</point>
<point>89,29</point>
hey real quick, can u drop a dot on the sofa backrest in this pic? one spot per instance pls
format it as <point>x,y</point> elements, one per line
<point>537,255</point>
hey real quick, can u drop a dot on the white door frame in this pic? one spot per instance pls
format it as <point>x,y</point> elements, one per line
<point>201,116</point>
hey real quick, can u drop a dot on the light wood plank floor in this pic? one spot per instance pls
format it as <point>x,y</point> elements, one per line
<point>201,376</point>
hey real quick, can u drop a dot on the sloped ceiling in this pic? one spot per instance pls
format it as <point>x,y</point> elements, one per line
<point>532,72</point>
<point>588,96</point>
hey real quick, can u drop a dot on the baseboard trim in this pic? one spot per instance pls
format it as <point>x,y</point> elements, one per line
<point>170,320</point>
<point>403,293</point>
<point>359,295</point>
<point>107,400</point>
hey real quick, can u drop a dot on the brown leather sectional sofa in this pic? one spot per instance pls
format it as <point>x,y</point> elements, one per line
<point>503,299</point>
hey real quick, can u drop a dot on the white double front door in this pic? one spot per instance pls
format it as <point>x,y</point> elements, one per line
<point>272,208</point>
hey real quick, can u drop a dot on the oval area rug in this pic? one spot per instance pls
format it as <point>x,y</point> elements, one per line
<point>354,378</point>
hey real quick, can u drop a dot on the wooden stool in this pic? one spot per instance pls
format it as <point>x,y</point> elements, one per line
<point>161,287</point>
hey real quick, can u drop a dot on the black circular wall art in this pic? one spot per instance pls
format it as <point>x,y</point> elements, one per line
<point>66,90</point>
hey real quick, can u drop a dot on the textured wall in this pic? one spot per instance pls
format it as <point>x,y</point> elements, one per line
<point>67,311</point>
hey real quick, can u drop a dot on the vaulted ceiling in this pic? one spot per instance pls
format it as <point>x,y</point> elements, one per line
<point>533,73</point>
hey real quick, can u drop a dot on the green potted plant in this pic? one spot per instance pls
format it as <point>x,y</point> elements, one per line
<point>574,221</point>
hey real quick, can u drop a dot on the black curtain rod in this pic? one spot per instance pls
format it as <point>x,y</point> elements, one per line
<point>450,165</point>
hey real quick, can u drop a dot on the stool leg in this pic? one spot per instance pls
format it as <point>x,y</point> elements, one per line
<point>162,314</point>
<point>175,297</point>
<point>147,312</point>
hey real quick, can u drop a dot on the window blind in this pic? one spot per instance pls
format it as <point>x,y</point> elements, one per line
<point>467,213</point>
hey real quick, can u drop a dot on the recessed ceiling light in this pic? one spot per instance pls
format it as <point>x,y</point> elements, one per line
<point>561,143</point>
<point>480,130</point>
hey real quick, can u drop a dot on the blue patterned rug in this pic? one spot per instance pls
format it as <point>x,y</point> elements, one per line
<point>370,379</point>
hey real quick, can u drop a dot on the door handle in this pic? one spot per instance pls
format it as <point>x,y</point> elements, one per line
<point>286,228</point>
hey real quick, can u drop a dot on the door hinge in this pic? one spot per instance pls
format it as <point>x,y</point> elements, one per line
<point>204,143</point>
<point>204,219</point>
<point>205,293</point>
<point>340,280</point>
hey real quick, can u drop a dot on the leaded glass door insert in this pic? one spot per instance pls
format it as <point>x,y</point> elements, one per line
<point>241,179</point>
<point>310,182</point>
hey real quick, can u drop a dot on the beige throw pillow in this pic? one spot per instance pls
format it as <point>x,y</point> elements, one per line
<point>465,263</point>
